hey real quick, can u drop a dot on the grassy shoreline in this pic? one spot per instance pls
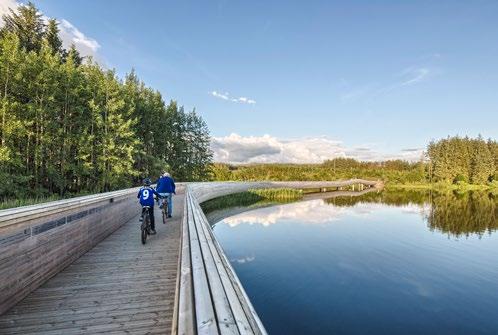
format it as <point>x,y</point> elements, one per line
<point>250,197</point>
<point>13,203</point>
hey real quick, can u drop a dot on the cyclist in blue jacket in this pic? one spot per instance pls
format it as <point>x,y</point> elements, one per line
<point>146,196</point>
<point>166,188</point>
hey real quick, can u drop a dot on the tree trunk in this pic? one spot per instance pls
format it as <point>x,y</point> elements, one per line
<point>5,90</point>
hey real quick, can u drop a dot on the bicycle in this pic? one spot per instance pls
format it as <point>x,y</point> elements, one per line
<point>145,227</point>
<point>163,201</point>
<point>164,210</point>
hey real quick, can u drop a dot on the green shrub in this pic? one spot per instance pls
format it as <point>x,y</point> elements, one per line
<point>278,194</point>
<point>251,197</point>
<point>460,179</point>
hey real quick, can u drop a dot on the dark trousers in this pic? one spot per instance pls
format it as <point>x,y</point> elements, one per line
<point>151,215</point>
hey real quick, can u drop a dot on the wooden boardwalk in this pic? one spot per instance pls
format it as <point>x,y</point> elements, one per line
<point>118,287</point>
<point>180,282</point>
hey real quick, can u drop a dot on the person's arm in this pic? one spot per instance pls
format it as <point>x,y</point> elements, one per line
<point>174,186</point>
<point>138,195</point>
<point>156,193</point>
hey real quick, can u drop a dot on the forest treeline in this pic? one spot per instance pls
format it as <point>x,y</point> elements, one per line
<point>457,159</point>
<point>453,160</point>
<point>69,126</point>
<point>396,171</point>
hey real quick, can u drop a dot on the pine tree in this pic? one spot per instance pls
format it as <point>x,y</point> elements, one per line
<point>482,163</point>
<point>52,36</point>
<point>493,149</point>
<point>74,55</point>
<point>27,23</point>
<point>13,127</point>
<point>200,153</point>
<point>116,143</point>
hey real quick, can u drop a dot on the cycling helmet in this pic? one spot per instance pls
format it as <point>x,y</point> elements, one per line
<point>147,182</point>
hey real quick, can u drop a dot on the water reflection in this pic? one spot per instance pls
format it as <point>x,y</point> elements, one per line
<point>453,213</point>
<point>471,213</point>
<point>380,263</point>
<point>307,212</point>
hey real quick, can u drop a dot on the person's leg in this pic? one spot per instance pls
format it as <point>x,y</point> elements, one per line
<point>170,204</point>
<point>152,221</point>
<point>142,215</point>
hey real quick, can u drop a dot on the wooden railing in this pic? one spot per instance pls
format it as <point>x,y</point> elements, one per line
<point>36,242</point>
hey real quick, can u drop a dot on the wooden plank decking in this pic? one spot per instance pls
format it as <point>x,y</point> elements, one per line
<point>120,286</point>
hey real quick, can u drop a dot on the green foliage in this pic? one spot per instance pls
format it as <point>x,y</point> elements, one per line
<point>390,172</point>
<point>465,159</point>
<point>278,194</point>
<point>69,126</point>
<point>52,36</point>
<point>11,203</point>
<point>244,199</point>
<point>27,23</point>
<point>459,179</point>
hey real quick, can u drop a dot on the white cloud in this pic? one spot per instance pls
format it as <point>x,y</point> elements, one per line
<point>4,8</point>
<point>243,260</point>
<point>414,75</point>
<point>87,46</point>
<point>407,77</point>
<point>312,212</point>
<point>244,100</point>
<point>226,96</point>
<point>268,149</point>
<point>223,96</point>
<point>69,34</point>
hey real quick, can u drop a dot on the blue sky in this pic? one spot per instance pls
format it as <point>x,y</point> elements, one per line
<point>368,79</point>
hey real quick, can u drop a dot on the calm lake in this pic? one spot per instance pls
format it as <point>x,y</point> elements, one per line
<point>382,263</point>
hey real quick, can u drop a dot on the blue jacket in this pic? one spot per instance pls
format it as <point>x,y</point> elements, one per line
<point>146,196</point>
<point>165,185</point>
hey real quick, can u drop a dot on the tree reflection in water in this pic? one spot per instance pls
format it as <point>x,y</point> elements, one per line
<point>453,213</point>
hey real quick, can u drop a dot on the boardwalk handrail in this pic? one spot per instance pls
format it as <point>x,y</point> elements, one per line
<point>38,241</point>
<point>16,215</point>
<point>209,297</point>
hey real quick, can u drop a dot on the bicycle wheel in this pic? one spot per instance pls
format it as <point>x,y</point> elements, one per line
<point>164,215</point>
<point>144,228</point>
